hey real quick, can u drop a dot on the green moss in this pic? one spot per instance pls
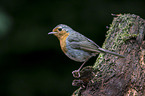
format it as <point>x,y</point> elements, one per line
<point>99,59</point>
<point>121,29</point>
<point>121,25</point>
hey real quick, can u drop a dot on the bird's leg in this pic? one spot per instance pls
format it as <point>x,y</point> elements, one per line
<point>76,73</point>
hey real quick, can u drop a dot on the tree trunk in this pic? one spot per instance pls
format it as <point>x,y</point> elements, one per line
<point>116,76</point>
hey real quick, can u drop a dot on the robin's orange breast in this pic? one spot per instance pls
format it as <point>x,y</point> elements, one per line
<point>62,40</point>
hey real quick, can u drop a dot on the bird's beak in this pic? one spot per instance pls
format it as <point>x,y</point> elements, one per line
<point>52,33</point>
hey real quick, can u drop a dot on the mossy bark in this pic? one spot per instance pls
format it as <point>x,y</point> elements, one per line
<point>115,76</point>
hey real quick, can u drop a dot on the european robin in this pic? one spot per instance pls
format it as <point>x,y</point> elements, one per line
<point>76,46</point>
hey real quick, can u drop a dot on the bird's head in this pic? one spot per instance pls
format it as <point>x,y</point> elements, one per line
<point>60,30</point>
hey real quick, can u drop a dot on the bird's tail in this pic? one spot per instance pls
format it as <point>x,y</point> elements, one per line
<point>110,52</point>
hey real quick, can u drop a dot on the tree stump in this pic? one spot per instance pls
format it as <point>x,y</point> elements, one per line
<point>112,75</point>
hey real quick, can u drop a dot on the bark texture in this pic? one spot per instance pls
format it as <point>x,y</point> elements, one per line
<point>112,75</point>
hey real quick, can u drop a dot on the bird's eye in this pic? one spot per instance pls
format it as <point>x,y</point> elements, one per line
<point>59,29</point>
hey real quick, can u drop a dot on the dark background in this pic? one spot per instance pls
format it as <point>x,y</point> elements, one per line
<point>31,62</point>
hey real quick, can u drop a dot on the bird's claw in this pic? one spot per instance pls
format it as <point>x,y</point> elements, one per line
<point>76,73</point>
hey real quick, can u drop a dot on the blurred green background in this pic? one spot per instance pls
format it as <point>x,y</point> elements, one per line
<point>31,62</point>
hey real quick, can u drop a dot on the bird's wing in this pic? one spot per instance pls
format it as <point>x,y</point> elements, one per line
<point>84,45</point>
<point>79,41</point>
